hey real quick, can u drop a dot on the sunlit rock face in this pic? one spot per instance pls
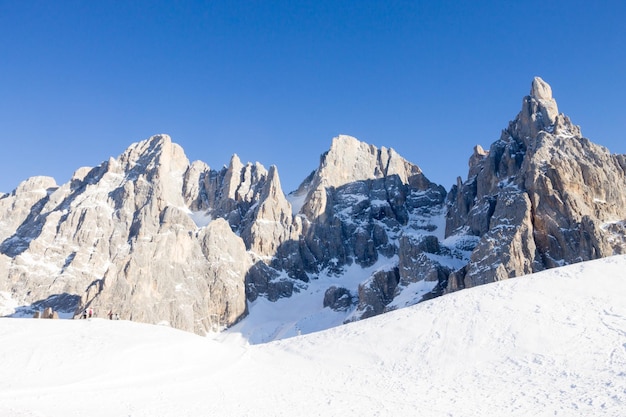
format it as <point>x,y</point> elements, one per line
<point>153,237</point>
<point>542,196</point>
<point>360,195</point>
<point>119,238</point>
<point>364,204</point>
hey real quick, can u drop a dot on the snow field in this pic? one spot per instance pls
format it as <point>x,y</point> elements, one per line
<point>549,344</point>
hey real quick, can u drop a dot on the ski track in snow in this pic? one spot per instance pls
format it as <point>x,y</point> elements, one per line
<point>549,344</point>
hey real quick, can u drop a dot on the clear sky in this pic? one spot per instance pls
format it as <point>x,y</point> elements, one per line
<point>275,81</point>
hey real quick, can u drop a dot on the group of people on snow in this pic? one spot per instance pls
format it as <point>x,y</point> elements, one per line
<point>113,316</point>
<point>89,313</point>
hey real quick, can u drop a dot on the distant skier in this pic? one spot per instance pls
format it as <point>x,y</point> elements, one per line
<point>90,312</point>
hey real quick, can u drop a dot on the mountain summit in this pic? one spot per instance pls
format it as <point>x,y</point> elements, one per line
<point>542,196</point>
<point>156,238</point>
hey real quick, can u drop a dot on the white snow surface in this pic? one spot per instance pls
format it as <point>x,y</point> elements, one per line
<point>296,200</point>
<point>200,218</point>
<point>304,311</point>
<point>553,343</point>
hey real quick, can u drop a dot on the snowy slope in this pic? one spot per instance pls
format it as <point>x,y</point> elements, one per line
<point>304,311</point>
<point>549,344</point>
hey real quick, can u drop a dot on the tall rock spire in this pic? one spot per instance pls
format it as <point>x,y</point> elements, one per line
<point>539,111</point>
<point>542,93</point>
<point>543,196</point>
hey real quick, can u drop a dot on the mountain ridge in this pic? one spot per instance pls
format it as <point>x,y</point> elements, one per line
<point>157,238</point>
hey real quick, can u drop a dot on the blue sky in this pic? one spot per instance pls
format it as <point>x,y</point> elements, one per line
<point>275,81</point>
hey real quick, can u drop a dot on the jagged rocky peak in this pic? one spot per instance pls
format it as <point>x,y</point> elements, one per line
<point>476,160</point>
<point>156,153</point>
<point>273,192</point>
<point>541,92</point>
<point>80,174</point>
<point>161,163</point>
<point>269,224</point>
<point>360,202</point>
<point>120,238</point>
<point>350,160</point>
<point>193,185</point>
<point>243,181</point>
<point>233,176</point>
<point>543,111</point>
<point>346,161</point>
<point>536,125</point>
<point>28,199</point>
<point>539,111</point>
<point>543,196</point>
<point>38,184</point>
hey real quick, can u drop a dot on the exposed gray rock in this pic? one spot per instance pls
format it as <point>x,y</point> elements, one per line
<point>338,298</point>
<point>358,197</point>
<point>376,293</point>
<point>507,249</point>
<point>194,190</point>
<point>269,224</point>
<point>543,196</point>
<point>416,263</point>
<point>119,237</point>
<point>157,239</point>
<point>226,253</point>
<point>154,238</point>
<point>359,203</point>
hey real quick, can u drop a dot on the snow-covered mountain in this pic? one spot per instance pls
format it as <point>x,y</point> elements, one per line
<point>542,196</point>
<point>155,238</point>
<point>553,343</point>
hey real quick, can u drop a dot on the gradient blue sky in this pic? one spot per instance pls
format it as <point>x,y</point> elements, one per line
<point>275,81</point>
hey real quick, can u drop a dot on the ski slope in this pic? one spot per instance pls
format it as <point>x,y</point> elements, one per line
<point>550,344</point>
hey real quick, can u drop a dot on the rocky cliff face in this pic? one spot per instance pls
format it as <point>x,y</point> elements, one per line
<point>119,238</point>
<point>153,237</point>
<point>542,196</point>
<point>363,204</point>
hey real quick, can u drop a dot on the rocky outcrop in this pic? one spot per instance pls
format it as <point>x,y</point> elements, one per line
<point>417,260</point>
<point>155,238</point>
<point>48,313</point>
<point>269,226</point>
<point>119,237</point>
<point>338,298</point>
<point>376,293</point>
<point>361,204</point>
<point>359,199</point>
<point>543,196</point>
